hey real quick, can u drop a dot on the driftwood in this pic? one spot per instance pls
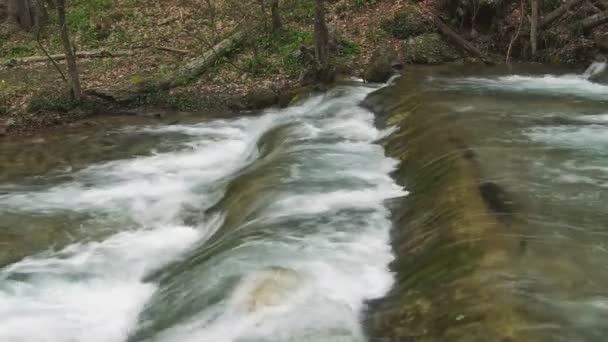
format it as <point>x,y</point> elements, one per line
<point>558,12</point>
<point>456,39</point>
<point>80,54</point>
<point>594,21</point>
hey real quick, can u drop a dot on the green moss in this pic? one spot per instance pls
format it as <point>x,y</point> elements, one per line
<point>445,240</point>
<point>52,103</point>
<point>298,11</point>
<point>407,23</point>
<point>179,101</point>
<point>62,103</point>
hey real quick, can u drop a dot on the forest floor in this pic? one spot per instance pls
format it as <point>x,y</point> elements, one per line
<point>163,35</point>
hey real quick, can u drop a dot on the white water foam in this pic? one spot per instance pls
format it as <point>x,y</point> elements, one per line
<point>552,85</point>
<point>589,137</point>
<point>87,292</point>
<point>95,291</point>
<point>338,267</point>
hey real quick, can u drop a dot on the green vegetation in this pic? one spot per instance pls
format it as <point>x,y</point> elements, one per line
<point>358,4</point>
<point>179,101</point>
<point>429,48</point>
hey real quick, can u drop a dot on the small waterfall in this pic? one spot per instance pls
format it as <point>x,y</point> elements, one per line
<point>265,228</point>
<point>594,70</point>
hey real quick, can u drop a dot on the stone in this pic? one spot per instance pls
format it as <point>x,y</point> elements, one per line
<point>260,99</point>
<point>428,48</point>
<point>380,68</point>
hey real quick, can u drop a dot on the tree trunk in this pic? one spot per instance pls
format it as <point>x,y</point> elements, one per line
<point>534,26</point>
<point>458,40</point>
<point>69,52</point>
<point>276,16</point>
<point>594,21</point>
<point>557,13</point>
<point>23,14</point>
<point>321,35</point>
<point>263,11</point>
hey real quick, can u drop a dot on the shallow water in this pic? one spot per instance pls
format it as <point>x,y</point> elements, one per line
<point>543,138</point>
<point>276,227</point>
<point>267,228</point>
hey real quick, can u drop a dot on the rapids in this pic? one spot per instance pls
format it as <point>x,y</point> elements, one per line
<point>269,227</point>
<point>277,226</point>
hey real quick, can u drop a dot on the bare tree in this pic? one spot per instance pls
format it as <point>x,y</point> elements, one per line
<point>321,35</point>
<point>69,52</point>
<point>24,14</point>
<point>534,26</point>
<point>276,16</point>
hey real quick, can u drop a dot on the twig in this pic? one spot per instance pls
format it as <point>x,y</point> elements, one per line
<point>521,21</point>
<point>49,56</point>
<point>170,49</point>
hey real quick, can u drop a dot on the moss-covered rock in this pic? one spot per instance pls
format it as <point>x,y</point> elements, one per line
<point>447,237</point>
<point>428,48</point>
<point>407,23</point>
<point>260,99</point>
<point>380,67</point>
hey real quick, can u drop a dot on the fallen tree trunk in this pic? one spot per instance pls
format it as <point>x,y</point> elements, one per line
<point>81,54</point>
<point>594,21</point>
<point>199,65</point>
<point>603,4</point>
<point>456,39</point>
<point>558,12</point>
<point>190,71</point>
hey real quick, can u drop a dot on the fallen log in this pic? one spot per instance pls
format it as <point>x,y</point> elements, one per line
<point>194,68</point>
<point>594,21</point>
<point>199,65</point>
<point>558,12</point>
<point>602,4</point>
<point>170,49</point>
<point>81,54</point>
<point>456,39</point>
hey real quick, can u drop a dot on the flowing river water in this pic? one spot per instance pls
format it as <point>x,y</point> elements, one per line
<point>276,227</point>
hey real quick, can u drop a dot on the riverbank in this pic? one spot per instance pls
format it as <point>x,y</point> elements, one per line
<point>139,46</point>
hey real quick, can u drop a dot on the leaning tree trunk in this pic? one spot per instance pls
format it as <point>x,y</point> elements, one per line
<point>69,52</point>
<point>276,16</point>
<point>594,21</point>
<point>534,26</point>
<point>321,35</point>
<point>558,12</point>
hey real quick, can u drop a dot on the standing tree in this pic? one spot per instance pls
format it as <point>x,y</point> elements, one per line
<point>534,26</point>
<point>321,37</point>
<point>24,14</point>
<point>276,17</point>
<point>69,52</point>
